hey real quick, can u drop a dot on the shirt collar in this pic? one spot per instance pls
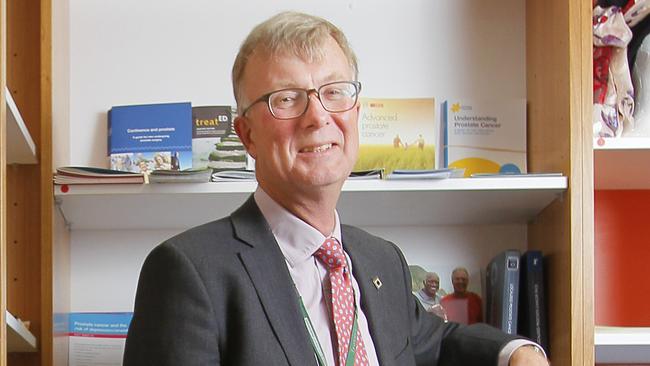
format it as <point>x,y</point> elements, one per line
<point>297,239</point>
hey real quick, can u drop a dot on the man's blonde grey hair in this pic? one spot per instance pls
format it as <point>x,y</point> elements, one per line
<point>288,32</point>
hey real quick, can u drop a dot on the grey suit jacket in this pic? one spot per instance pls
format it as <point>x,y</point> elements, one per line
<point>221,294</point>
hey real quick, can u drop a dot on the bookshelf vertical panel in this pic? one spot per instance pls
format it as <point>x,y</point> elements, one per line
<point>29,188</point>
<point>24,252</point>
<point>3,193</point>
<point>15,243</point>
<point>548,149</point>
<point>558,89</point>
<point>45,187</point>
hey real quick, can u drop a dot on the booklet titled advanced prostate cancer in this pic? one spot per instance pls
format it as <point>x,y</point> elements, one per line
<point>397,134</point>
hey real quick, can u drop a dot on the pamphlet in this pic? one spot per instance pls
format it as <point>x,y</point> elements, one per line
<point>397,134</point>
<point>485,136</point>
<point>97,338</point>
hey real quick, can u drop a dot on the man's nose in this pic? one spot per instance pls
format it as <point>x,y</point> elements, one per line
<point>316,115</point>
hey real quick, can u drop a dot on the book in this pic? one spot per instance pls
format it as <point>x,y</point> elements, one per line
<point>484,136</point>
<point>181,176</point>
<point>397,134</point>
<point>532,320</point>
<point>92,175</point>
<point>502,291</point>
<point>214,142</point>
<point>143,138</point>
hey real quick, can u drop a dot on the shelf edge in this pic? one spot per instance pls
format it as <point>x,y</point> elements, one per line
<point>608,336</point>
<point>18,135</point>
<point>19,338</point>
<point>622,143</point>
<point>463,184</point>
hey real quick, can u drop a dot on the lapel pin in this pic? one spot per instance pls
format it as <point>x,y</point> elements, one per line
<point>377,282</point>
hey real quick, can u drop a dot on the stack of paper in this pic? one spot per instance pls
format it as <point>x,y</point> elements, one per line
<point>180,176</point>
<point>91,175</point>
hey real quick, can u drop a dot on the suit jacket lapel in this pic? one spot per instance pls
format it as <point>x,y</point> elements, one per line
<point>366,267</point>
<point>267,269</point>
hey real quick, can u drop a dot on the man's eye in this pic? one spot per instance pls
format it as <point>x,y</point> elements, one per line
<point>333,93</point>
<point>285,99</point>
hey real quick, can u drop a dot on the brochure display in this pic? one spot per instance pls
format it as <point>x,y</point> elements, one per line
<point>97,338</point>
<point>214,142</point>
<point>483,136</point>
<point>397,134</point>
<point>143,138</point>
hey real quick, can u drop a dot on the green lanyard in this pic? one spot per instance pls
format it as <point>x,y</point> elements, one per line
<point>318,350</point>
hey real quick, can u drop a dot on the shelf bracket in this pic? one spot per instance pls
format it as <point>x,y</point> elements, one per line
<point>59,205</point>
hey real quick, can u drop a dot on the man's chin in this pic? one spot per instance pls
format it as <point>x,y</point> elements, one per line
<point>324,178</point>
<point>323,182</point>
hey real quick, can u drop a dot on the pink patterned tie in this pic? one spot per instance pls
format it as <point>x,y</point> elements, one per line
<point>342,300</point>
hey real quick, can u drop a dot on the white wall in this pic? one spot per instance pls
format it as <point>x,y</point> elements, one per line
<point>149,51</point>
<point>106,264</point>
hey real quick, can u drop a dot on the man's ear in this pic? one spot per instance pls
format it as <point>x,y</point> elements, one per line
<point>244,131</point>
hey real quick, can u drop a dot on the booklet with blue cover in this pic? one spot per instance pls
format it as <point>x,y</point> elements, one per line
<point>143,138</point>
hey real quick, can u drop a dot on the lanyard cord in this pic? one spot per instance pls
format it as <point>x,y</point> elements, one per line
<point>318,350</point>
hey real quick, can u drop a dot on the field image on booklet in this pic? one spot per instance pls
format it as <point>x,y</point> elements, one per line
<point>397,134</point>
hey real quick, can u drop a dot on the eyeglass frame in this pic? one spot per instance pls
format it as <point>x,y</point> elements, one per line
<point>267,98</point>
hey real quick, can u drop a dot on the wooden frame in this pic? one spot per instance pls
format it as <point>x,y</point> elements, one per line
<point>27,189</point>
<point>3,192</point>
<point>559,93</point>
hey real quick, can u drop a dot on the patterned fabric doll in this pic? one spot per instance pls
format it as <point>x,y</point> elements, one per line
<point>613,90</point>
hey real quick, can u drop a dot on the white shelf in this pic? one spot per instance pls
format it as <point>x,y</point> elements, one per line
<point>622,143</point>
<point>622,344</point>
<point>20,146</point>
<point>362,203</point>
<point>622,163</point>
<point>19,338</point>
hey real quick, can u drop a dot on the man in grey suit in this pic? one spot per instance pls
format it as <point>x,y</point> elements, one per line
<point>260,287</point>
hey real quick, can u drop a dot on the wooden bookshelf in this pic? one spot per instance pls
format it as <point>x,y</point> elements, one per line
<point>558,90</point>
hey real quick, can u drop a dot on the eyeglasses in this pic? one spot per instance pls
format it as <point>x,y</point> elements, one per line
<point>335,97</point>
